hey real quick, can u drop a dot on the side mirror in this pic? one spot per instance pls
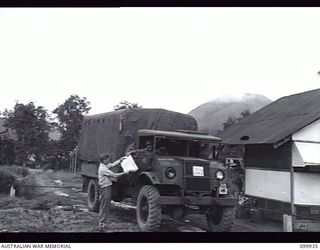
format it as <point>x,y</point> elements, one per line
<point>229,162</point>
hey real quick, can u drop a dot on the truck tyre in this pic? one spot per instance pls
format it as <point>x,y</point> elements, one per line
<point>148,209</point>
<point>93,195</point>
<point>220,219</point>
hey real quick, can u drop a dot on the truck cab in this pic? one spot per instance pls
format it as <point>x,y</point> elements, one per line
<point>178,176</point>
<point>183,161</point>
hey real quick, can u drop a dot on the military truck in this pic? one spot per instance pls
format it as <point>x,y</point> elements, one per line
<point>176,177</point>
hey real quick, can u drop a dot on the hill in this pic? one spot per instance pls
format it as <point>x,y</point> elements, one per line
<point>211,115</point>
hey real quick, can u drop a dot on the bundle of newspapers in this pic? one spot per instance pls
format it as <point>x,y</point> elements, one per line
<point>129,165</point>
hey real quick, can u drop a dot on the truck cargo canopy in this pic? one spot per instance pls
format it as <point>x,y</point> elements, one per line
<point>111,133</point>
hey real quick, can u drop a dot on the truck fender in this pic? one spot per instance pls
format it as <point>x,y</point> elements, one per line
<point>148,177</point>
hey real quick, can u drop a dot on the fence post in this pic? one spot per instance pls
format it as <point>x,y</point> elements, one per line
<point>70,164</point>
<point>287,223</point>
<point>75,160</point>
<point>12,192</point>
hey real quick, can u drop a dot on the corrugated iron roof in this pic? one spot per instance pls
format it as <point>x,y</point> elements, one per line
<point>276,121</point>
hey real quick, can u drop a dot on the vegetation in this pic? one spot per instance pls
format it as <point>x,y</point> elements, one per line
<point>230,121</point>
<point>15,170</point>
<point>126,105</point>
<point>31,125</point>
<point>233,119</point>
<point>18,177</point>
<point>70,115</point>
<point>7,179</point>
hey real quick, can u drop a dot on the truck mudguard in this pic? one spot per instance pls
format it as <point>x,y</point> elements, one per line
<point>150,176</point>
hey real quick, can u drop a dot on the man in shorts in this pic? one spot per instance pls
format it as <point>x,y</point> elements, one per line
<point>106,176</point>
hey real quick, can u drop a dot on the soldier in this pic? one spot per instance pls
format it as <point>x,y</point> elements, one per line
<point>132,148</point>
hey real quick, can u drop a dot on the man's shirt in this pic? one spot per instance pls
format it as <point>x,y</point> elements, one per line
<point>105,174</point>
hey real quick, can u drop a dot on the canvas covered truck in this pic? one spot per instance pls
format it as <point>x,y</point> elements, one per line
<point>176,177</point>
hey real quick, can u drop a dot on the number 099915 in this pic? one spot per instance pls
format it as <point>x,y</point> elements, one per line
<point>309,246</point>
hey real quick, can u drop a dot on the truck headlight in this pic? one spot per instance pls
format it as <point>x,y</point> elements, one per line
<point>170,173</point>
<point>219,174</point>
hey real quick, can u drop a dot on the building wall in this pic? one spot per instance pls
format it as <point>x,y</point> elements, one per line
<point>275,185</point>
<point>265,156</point>
<point>268,184</point>
<point>306,188</point>
<point>308,133</point>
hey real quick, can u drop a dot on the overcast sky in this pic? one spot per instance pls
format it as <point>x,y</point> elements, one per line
<point>174,58</point>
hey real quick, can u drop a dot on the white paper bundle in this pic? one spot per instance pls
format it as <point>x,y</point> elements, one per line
<point>129,165</point>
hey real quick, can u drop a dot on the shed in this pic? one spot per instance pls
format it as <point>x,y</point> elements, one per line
<point>282,149</point>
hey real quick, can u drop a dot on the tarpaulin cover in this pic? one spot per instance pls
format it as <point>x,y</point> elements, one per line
<point>108,133</point>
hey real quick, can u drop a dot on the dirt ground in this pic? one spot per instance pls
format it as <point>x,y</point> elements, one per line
<point>64,209</point>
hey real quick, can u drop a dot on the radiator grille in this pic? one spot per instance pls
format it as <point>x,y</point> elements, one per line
<point>197,184</point>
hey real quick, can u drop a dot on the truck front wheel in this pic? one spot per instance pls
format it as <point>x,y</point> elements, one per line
<point>148,209</point>
<point>220,219</point>
<point>93,195</point>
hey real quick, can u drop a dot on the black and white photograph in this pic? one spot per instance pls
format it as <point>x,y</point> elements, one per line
<point>164,120</point>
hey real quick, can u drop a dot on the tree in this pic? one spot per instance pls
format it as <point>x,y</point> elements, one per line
<point>70,116</point>
<point>32,126</point>
<point>233,119</point>
<point>244,114</point>
<point>230,121</point>
<point>126,105</point>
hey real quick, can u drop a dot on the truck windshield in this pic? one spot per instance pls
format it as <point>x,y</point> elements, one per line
<point>178,147</point>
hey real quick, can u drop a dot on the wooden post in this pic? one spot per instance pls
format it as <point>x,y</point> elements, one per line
<point>70,164</point>
<point>287,223</point>
<point>75,160</point>
<point>293,210</point>
<point>12,192</point>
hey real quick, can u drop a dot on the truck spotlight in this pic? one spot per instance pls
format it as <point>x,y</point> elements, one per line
<point>219,175</point>
<point>171,173</point>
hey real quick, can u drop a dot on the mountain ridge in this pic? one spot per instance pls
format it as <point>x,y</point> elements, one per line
<point>212,114</point>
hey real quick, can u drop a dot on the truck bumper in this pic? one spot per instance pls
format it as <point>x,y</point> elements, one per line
<point>197,201</point>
